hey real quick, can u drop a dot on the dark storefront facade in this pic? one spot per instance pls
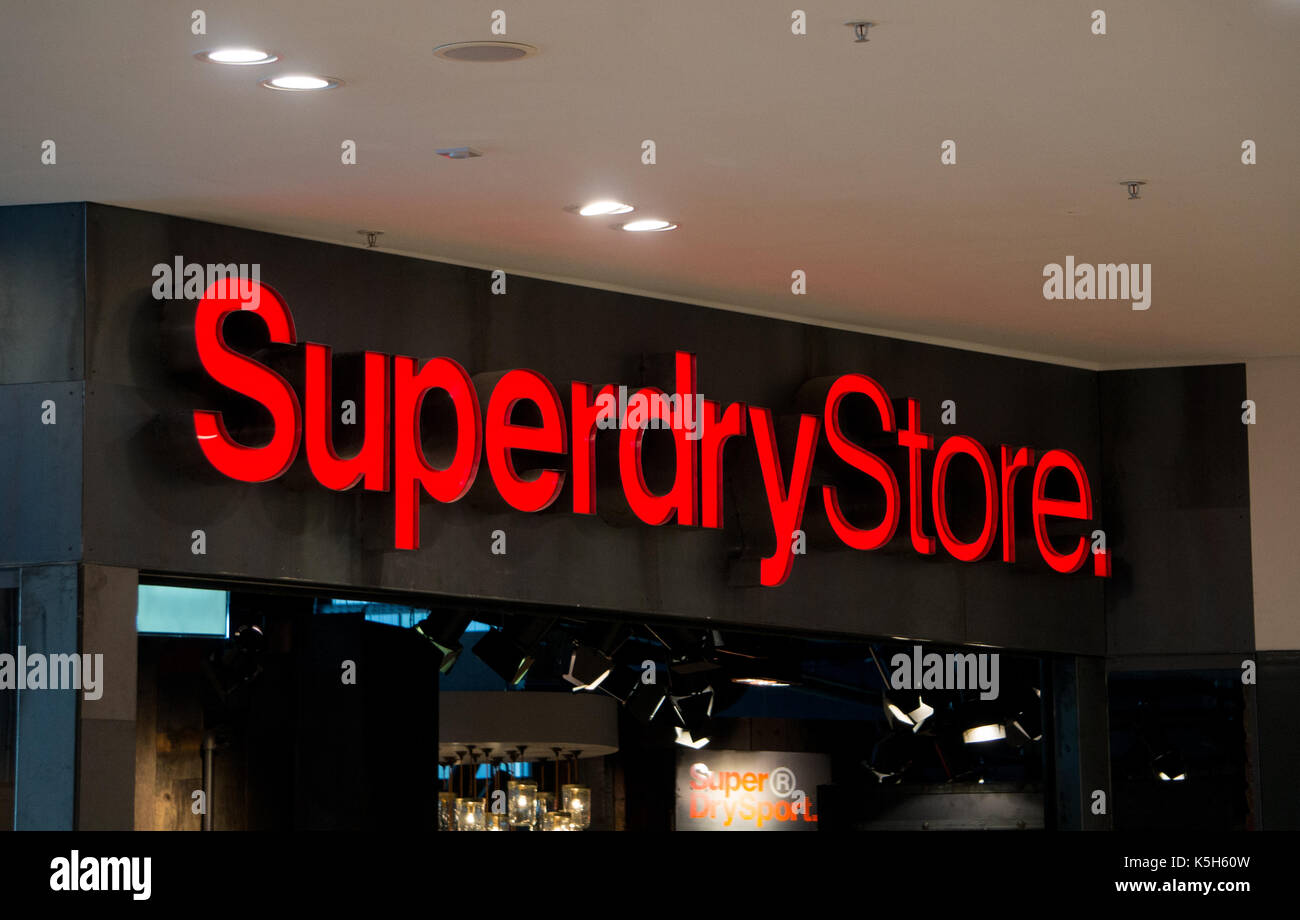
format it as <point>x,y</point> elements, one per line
<point>1136,655</point>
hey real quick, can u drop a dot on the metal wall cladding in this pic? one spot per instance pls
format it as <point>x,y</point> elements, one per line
<point>147,490</point>
<point>1176,476</point>
<point>42,290</point>
<point>41,443</point>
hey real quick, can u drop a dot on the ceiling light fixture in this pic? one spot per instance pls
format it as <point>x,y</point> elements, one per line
<point>647,225</point>
<point>491,52</point>
<point>240,56</point>
<point>757,672</point>
<point>443,633</point>
<point>981,733</point>
<point>301,82</point>
<point>907,708</point>
<point>601,208</point>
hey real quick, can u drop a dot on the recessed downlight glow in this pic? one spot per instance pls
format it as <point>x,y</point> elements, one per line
<point>599,208</point>
<point>648,225</point>
<point>238,56</point>
<point>301,82</point>
<point>760,681</point>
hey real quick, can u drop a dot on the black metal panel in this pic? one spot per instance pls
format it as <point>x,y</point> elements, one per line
<point>45,770</point>
<point>42,285</point>
<point>40,488</point>
<point>144,499</point>
<point>1177,499</point>
<point>1278,700</point>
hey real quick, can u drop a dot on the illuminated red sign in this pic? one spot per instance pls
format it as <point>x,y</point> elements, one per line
<point>392,457</point>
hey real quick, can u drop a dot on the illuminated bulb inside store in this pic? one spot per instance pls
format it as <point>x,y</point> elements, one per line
<point>599,208</point>
<point>648,225</point>
<point>239,56</point>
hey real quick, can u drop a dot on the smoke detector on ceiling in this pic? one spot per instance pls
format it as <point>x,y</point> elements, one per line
<point>491,52</point>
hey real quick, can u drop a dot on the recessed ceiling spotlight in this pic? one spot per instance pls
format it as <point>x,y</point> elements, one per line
<point>237,56</point>
<point>647,225</point>
<point>301,82</point>
<point>484,52</point>
<point>601,208</point>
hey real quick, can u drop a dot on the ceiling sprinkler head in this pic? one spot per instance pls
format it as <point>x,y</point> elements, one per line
<point>860,27</point>
<point>372,237</point>
<point>1134,185</point>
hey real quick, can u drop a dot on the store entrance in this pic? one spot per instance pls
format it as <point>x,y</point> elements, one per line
<point>268,709</point>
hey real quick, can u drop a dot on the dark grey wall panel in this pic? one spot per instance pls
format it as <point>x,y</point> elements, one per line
<point>45,787</point>
<point>40,487</point>
<point>1176,482</point>
<point>1278,700</point>
<point>42,285</point>
<point>144,499</point>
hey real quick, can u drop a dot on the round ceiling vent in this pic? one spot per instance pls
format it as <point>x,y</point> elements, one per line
<point>485,52</point>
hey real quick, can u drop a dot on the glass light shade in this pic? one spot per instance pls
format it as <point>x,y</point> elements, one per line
<point>522,805</point>
<point>557,821</point>
<point>496,823</point>
<point>446,811</point>
<point>469,815</point>
<point>577,802</point>
<point>545,804</point>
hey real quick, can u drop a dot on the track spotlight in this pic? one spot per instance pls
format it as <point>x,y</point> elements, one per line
<point>906,708</point>
<point>588,667</point>
<point>646,702</point>
<point>762,672</point>
<point>694,714</point>
<point>443,633</point>
<point>981,721</point>
<point>590,664</point>
<point>627,685</point>
<point>238,662</point>
<point>991,731</point>
<point>891,757</point>
<point>686,739</point>
<point>510,660</point>
<point>1169,767</point>
<point>1025,723</point>
<point>511,651</point>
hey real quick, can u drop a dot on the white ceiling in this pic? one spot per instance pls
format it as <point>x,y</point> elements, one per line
<point>775,152</point>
